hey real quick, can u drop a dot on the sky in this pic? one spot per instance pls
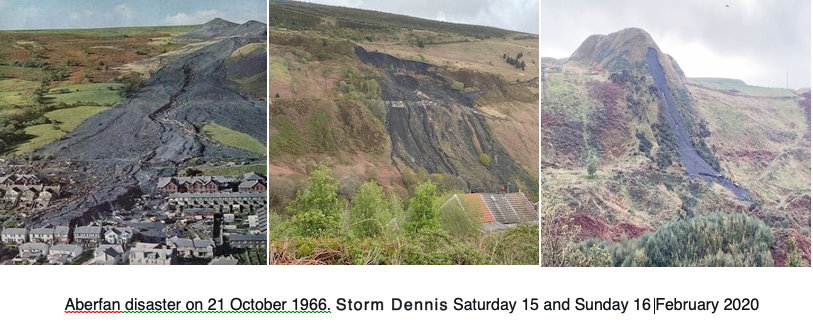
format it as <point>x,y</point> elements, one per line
<point>755,41</point>
<point>58,14</point>
<point>514,15</point>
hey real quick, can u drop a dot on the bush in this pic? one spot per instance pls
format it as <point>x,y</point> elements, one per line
<point>714,240</point>
<point>457,85</point>
<point>485,160</point>
<point>369,212</point>
<point>423,213</point>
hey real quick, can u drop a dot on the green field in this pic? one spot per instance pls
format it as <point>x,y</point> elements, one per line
<point>20,72</point>
<point>65,120</point>
<point>116,31</point>
<point>234,138</point>
<point>16,93</point>
<point>102,94</point>
<point>742,88</point>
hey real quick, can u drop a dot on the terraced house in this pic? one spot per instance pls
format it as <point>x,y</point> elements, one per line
<point>14,236</point>
<point>87,236</point>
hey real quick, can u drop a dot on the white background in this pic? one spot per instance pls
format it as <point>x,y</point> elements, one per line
<point>36,296</point>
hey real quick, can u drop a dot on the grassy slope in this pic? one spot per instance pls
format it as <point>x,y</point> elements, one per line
<point>741,87</point>
<point>65,121</point>
<point>98,93</point>
<point>234,138</point>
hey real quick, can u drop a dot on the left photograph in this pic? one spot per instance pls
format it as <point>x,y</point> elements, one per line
<point>133,132</point>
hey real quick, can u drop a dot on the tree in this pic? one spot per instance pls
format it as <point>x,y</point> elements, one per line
<point>319,197</point>
<point>794,255</point>
<point>592,163</point>
<point>369,212</point>
<point>423,214</point>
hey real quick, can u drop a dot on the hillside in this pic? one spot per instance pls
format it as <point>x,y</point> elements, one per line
<point>388,106</point>
<point>396,97</point>
<point>667,147</point>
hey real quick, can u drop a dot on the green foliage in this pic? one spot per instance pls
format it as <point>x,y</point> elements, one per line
<point>717,239</point>
<point>457,85</point>
<point>456,221</point>
<point>370,211</point>
<point>644,145</point>
<point>316,211</point>
<point>485,160</point>
<point>423,211</point>
<point>234,138</point>
<point>593,161</point>
<point>795,258</point>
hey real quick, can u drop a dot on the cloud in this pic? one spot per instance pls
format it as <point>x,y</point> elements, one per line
<point>81,14</point>
<point>3,4</point>
<point>124,11</point>
<point>197,17</point>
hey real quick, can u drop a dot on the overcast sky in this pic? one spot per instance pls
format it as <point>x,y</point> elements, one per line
<point>756,41</point>
<point>515,15</point>
<point>58,14</point>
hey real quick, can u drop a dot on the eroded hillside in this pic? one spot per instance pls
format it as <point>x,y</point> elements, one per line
<point>384,100</point>
<point>669,147</point>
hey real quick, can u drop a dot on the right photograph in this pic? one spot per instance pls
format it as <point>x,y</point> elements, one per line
<point>403,132</point>
<point>675,134</point>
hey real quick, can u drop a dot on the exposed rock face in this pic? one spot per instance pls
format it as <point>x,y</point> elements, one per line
<point>160,127</point>
<point>437,128</point>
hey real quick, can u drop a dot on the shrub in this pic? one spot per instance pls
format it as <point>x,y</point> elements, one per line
<point>485,160</point>
<point>457,85</point>
<point>423,213</point>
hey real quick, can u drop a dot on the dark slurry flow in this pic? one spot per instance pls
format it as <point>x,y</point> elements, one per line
<point>126,148</point>
<point>437,128</point>
<point>695,165</point>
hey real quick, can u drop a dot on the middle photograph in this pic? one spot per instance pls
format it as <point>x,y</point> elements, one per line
<point>408,138</point>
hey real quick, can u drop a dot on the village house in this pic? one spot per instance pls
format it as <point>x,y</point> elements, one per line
<point>17,179</point>
<point>248,182</point>
<point>14,236</point>
<point>151,254</point>
<point>198,214</point>
<point>44,235</point>
<point>247,241</point>
<point>192,248</point>
<point>33,250</point>
<point>224,261</point>
<point>251,186</point>
<point>87,236</point>
<point>221,202</point>
<point>62,234</point>
<point>29,195</point>
<point>118,235</point>
<point>109,254</point>
<point>11,195</point>
<point>64,253</point>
